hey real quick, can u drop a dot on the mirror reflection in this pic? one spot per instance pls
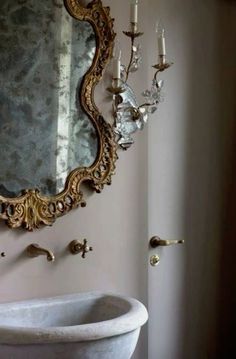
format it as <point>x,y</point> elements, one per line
<point>44,132</point>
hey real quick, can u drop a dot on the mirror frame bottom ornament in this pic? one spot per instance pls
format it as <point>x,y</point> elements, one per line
<point>32,209</point>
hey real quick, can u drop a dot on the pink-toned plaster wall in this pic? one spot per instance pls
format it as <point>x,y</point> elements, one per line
<point>114,222</point>
<point>192,301</point>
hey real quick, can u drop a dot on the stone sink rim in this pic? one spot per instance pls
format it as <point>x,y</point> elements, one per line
<point>131,320</point>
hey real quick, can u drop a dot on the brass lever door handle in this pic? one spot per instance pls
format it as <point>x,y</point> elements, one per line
<point>156,242</point>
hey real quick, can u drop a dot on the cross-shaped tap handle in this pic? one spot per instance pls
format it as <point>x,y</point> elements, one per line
<point>77,247</point>
<point>86,248</point>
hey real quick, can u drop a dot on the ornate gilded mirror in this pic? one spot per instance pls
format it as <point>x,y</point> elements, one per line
<point>52,136</point>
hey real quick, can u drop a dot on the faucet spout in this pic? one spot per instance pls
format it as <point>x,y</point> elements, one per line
<point>34,250</point>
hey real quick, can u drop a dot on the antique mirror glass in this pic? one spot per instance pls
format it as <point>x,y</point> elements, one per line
<point>49,128</point>
<point>44,133</point>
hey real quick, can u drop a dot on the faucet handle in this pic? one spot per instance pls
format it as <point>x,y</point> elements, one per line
<point>76,247</point>
<point>86,248</point>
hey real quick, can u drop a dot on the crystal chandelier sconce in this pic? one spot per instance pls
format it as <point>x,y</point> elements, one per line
<point>129,116</point>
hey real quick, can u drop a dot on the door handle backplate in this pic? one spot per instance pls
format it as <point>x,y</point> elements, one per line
<point>154,260</point>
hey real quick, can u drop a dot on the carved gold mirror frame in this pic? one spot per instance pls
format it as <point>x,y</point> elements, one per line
<point>32,209</point>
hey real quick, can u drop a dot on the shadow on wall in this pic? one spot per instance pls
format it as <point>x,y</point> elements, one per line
<point>227,312</point>
<point>227,296</point>
<point>210,188</point>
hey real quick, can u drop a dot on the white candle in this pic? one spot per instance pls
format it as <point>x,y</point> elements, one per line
<point>117,64</point>
<point>161,42</point>
<point>134,11</point>
<point>116,69</point>
<point>161,46</point>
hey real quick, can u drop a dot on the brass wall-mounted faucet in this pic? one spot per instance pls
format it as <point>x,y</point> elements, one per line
<point>34,250</point>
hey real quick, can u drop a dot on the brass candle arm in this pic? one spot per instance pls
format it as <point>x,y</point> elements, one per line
<point>117,87</point>
<point>133,35</point>
<point>136,113</point>
<point>160,67</point>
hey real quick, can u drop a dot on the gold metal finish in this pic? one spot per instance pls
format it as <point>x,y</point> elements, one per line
<point>154,260</point>
<point>162,65</point>
<point>32,209</point>
<point>116,87</point>
<point>77,247</point>
<point>156,242</point>
<point>34,250</point>
<point>115,90</point>
<point>133,35</point>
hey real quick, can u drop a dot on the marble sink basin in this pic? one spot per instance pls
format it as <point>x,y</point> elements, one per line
<point>86,326</point>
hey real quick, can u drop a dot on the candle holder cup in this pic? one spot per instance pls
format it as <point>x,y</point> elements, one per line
<point>116,87</point>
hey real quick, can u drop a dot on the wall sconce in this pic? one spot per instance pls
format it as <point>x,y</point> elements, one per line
<point>129,116</point>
